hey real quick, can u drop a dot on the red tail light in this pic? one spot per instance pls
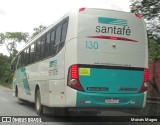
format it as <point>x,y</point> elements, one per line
<point>138,15</point>
<point>74,72</point>
<point>73,78</point>
<point>81,9</point>
<point>145,75</point>
<point>145,80</point>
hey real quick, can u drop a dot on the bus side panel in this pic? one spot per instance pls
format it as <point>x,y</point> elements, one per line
<point>52,75</point>
<point>54,93</point>
<point>48,75</point>
<point>21,80</point>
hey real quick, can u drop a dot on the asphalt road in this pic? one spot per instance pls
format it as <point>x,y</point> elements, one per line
<point>10,107</point>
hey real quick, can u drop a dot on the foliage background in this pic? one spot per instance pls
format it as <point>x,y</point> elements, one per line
<point>150,11</point>
<point>10,40</point>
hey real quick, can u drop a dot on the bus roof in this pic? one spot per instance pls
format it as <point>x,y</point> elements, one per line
<point>74,11</point>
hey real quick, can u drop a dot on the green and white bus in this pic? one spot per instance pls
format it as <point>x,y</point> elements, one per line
<point>89,59</point>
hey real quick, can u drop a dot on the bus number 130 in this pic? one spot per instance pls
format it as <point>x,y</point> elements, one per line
<point>91,45</point>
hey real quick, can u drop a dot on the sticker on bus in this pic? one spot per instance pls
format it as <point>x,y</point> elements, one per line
<point>85,71</point>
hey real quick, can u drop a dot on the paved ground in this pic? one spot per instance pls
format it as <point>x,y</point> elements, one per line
<point>10,107</point>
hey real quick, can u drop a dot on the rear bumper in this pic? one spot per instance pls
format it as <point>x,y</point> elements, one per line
<point>99,100</point>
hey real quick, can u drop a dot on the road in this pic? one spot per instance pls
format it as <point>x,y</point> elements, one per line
<point>10,107</point>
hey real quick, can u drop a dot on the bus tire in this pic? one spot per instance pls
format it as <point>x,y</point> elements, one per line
<point>38,105</point>
<point>16,91</point>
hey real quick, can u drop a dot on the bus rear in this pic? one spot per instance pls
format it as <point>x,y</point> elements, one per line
<point>110,66</point>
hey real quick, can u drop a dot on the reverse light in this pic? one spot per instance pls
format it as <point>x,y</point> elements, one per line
<point>81,9</point>
<point>73,78</point>
<point>138,15</point>
<point>72,82</point>
<point>145,81</point>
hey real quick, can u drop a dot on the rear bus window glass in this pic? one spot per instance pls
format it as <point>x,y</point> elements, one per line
<point>32,52</point>
<point>47,47</point>
<point>52,44</point>
<point>38,50</point>
<point>64,31</point>
<point>42,48</point>
<point>58,34</point>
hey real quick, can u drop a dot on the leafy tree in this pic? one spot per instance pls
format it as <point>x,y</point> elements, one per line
<point>1,38</point>
<point>154,49</point>
<point>10,40</point>
<point>5,74</point>
<point>150,10</point>
<point>38,29</point>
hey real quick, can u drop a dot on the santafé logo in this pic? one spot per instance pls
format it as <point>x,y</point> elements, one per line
<point>113,26</point>
<point>112,21</point>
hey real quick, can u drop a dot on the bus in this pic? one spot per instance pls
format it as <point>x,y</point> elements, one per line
<point>89,59</point>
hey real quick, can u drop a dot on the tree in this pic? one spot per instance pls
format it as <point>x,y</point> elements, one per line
<point>154,51</point>
<point>10,40</point>
<point>150,11</point>
<point>5,74</point>
<point>37,30</point>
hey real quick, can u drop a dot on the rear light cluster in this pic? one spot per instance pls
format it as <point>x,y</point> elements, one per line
<point>138,15</point>
<point>73,78</point>
<point>81,9</point>
<point>145,81</point>
<point>145,75</point>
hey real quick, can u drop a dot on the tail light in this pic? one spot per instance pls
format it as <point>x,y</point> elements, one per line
<point>145,81</point>
<point>81,9</point>
<point>73,78</point>
<point>138,15</point>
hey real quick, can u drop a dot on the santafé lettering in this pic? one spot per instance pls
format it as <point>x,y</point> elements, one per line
<point>125,30</point>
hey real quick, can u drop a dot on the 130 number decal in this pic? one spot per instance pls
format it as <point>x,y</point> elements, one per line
<point>91,45</point>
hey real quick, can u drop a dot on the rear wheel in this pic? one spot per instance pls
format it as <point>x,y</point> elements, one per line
<point>38,105</point>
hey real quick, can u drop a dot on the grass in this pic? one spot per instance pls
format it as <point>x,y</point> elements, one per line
<point>7,85</point>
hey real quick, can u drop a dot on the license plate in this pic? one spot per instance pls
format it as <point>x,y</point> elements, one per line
<point>112,101</point>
